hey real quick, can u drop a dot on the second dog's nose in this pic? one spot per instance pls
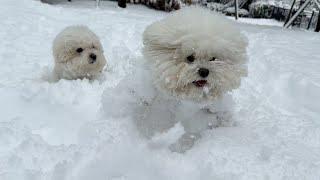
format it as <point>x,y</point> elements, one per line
<point>203,72</point>
<point>93,56</point>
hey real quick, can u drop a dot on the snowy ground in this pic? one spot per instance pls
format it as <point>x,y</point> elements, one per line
<point>59,131</point>
<point>263,22</point>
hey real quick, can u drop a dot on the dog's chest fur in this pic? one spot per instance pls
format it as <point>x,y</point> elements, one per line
<point>158,114</point>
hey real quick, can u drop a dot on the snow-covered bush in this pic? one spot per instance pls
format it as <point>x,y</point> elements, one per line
<point>162,4</point>
<point>215,6</point>
<point>231,11</point>
<point>261,9</point>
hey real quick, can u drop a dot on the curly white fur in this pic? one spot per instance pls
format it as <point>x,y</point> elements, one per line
<point>70,63</point>
<point>204,34</point>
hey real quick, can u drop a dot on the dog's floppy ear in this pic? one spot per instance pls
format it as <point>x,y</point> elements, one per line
<point>160,42</point>
<point>160,36</point>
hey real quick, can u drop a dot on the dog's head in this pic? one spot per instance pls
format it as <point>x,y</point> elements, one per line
<point>79,51</point>
<point>196,54</point>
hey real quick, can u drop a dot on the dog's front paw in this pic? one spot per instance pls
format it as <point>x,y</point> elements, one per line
<point>220,119</point>
<point>184,143</point>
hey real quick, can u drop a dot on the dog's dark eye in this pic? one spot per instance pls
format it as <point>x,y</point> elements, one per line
<point>79,50</point>
<point>190,58</point>
<point>213,59</point>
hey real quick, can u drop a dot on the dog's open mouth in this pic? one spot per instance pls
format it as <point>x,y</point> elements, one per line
<point>200,83</point>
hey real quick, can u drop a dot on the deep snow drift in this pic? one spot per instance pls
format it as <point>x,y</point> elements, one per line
<point>59,130</point>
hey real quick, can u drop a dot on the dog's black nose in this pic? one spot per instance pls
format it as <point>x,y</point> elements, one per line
<point>93,56</point>
<point>203,72</point>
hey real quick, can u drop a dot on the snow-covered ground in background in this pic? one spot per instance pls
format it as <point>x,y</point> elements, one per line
<point>58,130</point>
<point>263,22</point>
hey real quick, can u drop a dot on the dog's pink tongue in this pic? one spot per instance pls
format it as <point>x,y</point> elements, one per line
<point>200,83</point>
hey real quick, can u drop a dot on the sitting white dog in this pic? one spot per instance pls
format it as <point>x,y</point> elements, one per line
<point>194,57</point>
<point>77,53</point>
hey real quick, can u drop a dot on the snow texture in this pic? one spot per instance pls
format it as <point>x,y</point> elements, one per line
<point>59,131</point>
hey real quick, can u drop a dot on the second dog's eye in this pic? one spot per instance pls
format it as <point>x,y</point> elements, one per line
<point>190,58</point>
<point>79,50</point>
<point>213,59</point>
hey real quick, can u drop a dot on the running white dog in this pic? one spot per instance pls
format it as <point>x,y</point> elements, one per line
<point>77,53</point>
<point>194,57</point>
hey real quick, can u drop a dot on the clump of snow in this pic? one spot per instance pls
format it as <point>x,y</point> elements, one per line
<point>58,131</point>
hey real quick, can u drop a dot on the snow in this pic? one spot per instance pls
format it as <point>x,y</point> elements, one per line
<point>261,22</point>
<point>60,131</point>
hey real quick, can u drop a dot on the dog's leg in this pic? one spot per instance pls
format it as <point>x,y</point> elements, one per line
<point>157,117</point>
<point>221,111</point>
<point>185,142</point>
<point>221,119</point>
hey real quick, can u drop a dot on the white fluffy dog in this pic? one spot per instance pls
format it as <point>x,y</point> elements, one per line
<point>195,57</point>
<point>77,53</point>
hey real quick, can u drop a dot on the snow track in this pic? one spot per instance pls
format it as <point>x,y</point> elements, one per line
<point>59,131</point>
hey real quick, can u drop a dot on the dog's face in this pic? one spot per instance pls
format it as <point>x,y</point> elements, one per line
<point>195,65</point>
<point>85,58</point>
<point>80,53</point>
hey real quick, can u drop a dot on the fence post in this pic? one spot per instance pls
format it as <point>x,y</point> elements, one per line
<point>310,21</point>
<point>236,9</point>
<point>318,23</point>
<point>289,14</point>
<point>122,3</point>
<point>97,3</point>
